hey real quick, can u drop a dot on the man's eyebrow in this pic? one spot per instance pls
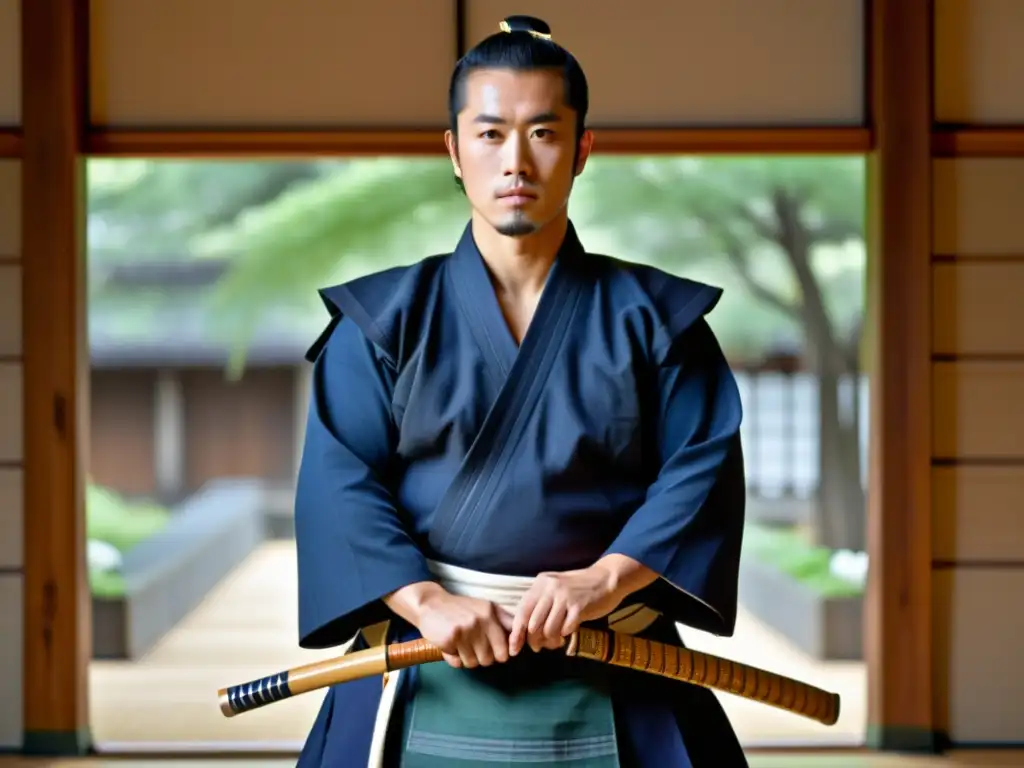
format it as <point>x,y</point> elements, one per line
<point>543,117</point>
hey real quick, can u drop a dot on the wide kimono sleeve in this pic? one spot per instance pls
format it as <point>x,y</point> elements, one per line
<point>689,528</point>
<point>352,545</point>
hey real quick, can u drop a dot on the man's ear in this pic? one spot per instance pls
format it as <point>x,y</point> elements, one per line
<point>586,145</point>
<point>451,140</point>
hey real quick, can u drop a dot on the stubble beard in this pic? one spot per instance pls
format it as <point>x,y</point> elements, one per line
<point>517,226</point>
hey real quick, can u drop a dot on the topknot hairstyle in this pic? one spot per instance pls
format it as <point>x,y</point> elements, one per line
<point>524,43</point>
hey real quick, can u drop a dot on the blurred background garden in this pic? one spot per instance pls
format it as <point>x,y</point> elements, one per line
<point>202,302</point>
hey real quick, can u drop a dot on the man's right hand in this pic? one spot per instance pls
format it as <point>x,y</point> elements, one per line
<point>470,632</point>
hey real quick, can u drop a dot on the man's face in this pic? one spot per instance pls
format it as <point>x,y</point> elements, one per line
<point>515,148</point>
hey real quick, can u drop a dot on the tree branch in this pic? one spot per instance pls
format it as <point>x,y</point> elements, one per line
<point>766,229</point>
<point>849,350</point>
<point>734,252</point>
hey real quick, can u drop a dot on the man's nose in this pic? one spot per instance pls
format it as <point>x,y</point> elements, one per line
<point>517,156</point>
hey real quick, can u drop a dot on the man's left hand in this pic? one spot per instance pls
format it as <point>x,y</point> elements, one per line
<point>558,603</point>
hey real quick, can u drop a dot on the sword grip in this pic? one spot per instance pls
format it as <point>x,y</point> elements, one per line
<point>254,694</point>
<point>411,654</point>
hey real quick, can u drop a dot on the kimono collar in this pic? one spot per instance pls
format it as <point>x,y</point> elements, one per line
<point>568,259</point>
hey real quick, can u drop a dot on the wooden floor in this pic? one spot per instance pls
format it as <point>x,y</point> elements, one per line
<point>246,629</point>
<point>803,760</point>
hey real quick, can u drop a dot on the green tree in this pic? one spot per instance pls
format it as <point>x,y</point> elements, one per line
<point>142,208</point>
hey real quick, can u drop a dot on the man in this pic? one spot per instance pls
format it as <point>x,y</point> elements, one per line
<point>510,440</point>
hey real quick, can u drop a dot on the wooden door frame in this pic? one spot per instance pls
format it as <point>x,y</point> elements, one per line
<point>898,138</point>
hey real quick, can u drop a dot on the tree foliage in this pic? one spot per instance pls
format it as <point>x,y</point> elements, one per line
<point>155,208</point>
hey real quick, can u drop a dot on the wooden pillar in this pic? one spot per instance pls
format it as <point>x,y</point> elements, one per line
<point>57,632</point>
<point>898,605</point>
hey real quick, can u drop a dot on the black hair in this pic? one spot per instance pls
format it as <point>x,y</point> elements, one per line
<point>524,44</point>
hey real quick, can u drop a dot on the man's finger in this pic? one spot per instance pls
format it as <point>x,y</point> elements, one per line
<point>572,621</point>
<point>535,624</point>
<point>552,628</point>
<point>517,636</point>
<point>466,656</point>
<point>482,650</point>
<point>539,615</point>
<point>497,641</point>
<point>453,660</point>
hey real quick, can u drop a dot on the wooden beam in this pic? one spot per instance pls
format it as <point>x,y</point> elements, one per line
<point>747,141</point>
<point>10,142</point>
<point>898,606</point>
<point>227,143</point>
<point>105,142</point>
<point>946,142</point>
<point>978,142</point>
<point>57,630</point>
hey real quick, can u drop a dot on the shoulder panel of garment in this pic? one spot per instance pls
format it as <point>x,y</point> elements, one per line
<point>388,306</point>
<point>675,302</point>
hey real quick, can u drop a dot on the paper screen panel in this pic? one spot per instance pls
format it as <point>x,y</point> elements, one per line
<point>979,62</point>
<point>11,661</point>
<point>977,308</point>
<point>977,410</point>
<point>978,616</point>
<point>978,515</point>
<point>691,62</point>
<point>10,62</point>
<point>978,206</point>
<point>253,64</point>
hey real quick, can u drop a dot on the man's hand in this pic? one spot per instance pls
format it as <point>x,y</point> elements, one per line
<point>558,603</point>
<point>469,632</point>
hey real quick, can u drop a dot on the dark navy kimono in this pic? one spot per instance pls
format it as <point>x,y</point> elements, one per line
<point>613,428</point>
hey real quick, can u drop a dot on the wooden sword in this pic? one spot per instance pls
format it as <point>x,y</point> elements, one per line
<point>615,648</point>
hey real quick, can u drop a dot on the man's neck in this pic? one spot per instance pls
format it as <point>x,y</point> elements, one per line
<point>519,266</point>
